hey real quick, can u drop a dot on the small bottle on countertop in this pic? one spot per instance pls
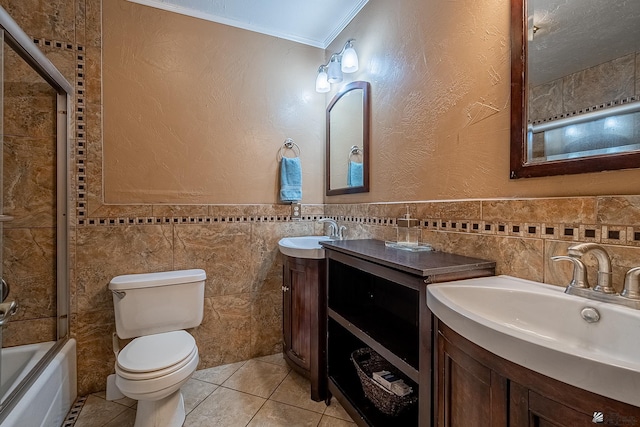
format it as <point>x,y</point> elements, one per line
<point>407,230</point>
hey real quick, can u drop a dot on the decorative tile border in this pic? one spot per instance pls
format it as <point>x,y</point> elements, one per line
<point>606,234</point>
<point>165,220</point>
<point>80,134</point>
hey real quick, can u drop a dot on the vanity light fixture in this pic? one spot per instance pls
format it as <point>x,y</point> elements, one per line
<point>346,61</point>
<point>322,81</point>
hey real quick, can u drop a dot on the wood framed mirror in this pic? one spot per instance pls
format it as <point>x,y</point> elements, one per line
<point>347,144</point>
<point>575,100</point>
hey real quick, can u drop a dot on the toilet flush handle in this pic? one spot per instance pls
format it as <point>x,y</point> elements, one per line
<point>119,294</point>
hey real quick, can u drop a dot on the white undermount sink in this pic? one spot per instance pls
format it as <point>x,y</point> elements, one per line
<point>541,328</point>
<point>303,246</point>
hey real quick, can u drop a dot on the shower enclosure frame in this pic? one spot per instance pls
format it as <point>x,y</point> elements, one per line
<point>22,44</point>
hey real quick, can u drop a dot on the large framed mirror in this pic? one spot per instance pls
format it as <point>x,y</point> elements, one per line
<point>575,94</point>
<point>347,155</point>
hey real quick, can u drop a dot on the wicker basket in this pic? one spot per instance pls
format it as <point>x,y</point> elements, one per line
<point>367,362</point>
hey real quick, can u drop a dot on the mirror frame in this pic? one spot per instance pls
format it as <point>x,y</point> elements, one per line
<point>366,122</point>
<point>519,95</point>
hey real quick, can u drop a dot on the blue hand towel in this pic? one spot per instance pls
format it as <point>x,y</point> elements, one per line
<point>290,179</point>
<point>355,176</point>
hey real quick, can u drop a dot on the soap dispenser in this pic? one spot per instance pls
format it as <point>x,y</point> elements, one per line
<point>407,230</point>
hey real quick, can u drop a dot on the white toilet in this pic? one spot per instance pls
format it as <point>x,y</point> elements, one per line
<point>154,309</point>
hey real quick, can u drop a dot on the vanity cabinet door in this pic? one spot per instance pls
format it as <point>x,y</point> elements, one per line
<point>303,320</point>
<point>530,409</point>
<point>477,388</point>
<point>469,394</point>
<point>297,310</point>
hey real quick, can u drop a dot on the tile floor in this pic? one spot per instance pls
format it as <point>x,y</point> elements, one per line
<point>257,392</point>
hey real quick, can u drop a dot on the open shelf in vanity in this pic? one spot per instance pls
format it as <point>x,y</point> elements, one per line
<point>376,298</point>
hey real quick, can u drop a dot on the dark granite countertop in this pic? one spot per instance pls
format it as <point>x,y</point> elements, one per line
<point>425,263</point>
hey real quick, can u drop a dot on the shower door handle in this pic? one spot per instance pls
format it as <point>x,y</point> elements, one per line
<point>5,290</point>
<point>7,309</point>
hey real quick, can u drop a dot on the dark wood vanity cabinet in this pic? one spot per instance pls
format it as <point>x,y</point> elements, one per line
<point>376,298</point>
<point>477,388</point>
<point>303,320</point>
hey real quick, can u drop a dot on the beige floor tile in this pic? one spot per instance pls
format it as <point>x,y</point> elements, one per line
<point>257,378</point>
<point>328,421</point>
<point>218,374</point>
<point>125,419</point>
<point>224,408</point>
<point>276,359</point>
<point>275,414</point>
<point>295,391</point>
<point>194,392</point>
<point>126,401</point>
<point>98,412</point>
<point>336,410</point>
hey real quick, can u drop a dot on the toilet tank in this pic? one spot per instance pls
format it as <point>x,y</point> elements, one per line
<point>152,303</point>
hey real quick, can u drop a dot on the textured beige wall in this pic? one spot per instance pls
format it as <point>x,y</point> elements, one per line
<point>195,112</point>
<point>440,77</point>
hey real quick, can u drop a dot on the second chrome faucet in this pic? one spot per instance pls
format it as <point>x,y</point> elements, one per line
<point>603,291</point>
<point>335,231</point>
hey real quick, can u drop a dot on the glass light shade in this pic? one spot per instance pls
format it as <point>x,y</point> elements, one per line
<point>322,84</point>
<point>349,60</point>
<point>335,73</point>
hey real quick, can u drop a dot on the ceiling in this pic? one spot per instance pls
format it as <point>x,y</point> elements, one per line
<point>312,22</point>
<point>577,34</point>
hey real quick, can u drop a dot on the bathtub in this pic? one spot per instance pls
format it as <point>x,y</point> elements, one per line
<point>47,401</point>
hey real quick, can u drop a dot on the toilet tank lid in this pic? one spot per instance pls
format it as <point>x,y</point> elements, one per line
<point>164,278</point>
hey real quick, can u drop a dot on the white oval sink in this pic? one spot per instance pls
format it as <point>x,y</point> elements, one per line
<point>541,328</point>
<point>303,246</point>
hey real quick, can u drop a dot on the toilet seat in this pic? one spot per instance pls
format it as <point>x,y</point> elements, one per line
<point>157,355</point>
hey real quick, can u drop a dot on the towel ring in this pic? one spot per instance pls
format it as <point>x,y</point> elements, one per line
<point>289,144</point>
<point>355,151</point>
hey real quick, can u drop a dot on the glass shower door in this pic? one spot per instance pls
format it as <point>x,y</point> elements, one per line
<point>34,154</point>
<point>3,290</point>
<point>28,199</point>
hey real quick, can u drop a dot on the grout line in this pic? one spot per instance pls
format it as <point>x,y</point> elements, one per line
<point>205,398</point>
<point>124,409</point>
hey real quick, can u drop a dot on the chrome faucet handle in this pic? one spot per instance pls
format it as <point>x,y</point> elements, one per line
<point>604,264</point>
<point>632,284</point>
<point>579,279</point>
<point>341,231</point>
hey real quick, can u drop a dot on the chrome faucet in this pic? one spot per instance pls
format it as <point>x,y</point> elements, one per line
<point>603,291</point>
<point>335,232</point>
<point>603,283</point>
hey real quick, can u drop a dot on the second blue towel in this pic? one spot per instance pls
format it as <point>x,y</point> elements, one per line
<point>355,175</point>
<point>290,179</point>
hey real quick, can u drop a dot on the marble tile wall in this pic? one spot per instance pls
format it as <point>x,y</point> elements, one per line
<point>601,84</point>
<point>242,316</point>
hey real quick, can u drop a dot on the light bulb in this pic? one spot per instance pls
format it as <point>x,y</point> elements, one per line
<point>349,60</point>
<point>322,84</point>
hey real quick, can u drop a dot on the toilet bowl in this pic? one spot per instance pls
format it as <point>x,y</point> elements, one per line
<point>151,370</point>
<point>154,308</point>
